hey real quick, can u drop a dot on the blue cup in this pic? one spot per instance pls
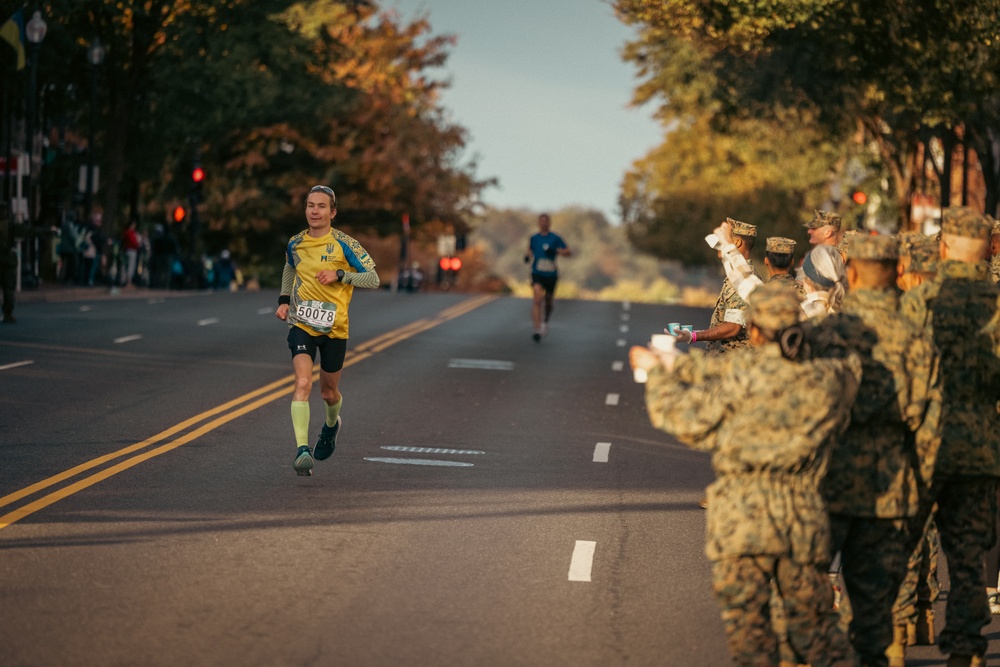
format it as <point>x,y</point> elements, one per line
<point>673,327</point>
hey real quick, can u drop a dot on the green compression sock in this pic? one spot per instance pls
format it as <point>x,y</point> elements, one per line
<point>300,422</point>
<point>333,411</point>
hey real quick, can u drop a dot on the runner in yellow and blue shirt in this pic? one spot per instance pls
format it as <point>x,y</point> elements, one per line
<point>323,265</point>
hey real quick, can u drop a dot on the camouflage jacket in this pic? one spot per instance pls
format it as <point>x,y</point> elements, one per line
<point>788,278</point>
<point>960,310</point>
<point>730,307</point>
<point>769,424</point>
<point>874,468</point>
<point>995,269</point>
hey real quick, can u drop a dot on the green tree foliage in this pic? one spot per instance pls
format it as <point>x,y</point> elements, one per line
<point>898,71</point>
<point>272,96</point>
<point>718,160</point>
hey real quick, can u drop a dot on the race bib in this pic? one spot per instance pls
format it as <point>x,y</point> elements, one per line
<point>545,266</point>
<point>317,314</point>
<point>735,316</point>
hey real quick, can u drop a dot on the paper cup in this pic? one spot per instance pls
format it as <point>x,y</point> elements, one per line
<point>672,328</point>
<point>662,342</point>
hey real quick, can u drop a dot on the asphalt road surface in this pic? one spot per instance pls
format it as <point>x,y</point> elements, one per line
<point>492,500</point>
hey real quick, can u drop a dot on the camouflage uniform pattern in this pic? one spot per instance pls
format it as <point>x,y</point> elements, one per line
<point>873,485</point>
<point>873,471</point>
<point>788,278</point>
<point>920,588</point>
<point>995,270</point>
<point>742,586</point>
<point>730,307</point>
<point>961,310</point>
<point>769,424</point>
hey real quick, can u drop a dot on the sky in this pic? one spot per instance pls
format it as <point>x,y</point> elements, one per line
<point>544,95</point>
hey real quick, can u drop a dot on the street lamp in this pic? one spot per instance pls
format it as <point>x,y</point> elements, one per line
<point>95,56</point>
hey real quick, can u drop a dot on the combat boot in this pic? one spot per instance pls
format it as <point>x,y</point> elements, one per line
<point>922,631</point>
<point>897,649</point>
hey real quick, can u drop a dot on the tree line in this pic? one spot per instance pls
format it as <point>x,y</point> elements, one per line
<point>775,108</point>
<point>268,97</point>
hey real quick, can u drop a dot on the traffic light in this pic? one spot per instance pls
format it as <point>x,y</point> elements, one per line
<point>179,214</point>
<point>197,178</point>
<point>448,268</point>
<point>859,197</point>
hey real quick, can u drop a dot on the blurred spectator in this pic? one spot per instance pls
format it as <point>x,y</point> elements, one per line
<point>226,272</point>
<point>131,245</point>
<point>8,277</point>
<point>411,279</point>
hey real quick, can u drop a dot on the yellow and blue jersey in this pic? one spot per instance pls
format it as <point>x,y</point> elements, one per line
<point>321,310</point>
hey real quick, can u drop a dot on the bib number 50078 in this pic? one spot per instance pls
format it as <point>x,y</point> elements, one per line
<point>319,315</point>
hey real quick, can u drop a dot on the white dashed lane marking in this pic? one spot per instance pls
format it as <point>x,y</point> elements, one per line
<point>16,364</point>
<point>482,364</point>
<point>612,399</point>
<point>431,450</point>
<point>621,342</point>
<point>601,452</point>
<point>128,339</point>
<point>623,328</point>
<point>208,320</point>
<point>265,311</point>
<point>419,462</point>
<point>617,365</point>
<point>582,562</point>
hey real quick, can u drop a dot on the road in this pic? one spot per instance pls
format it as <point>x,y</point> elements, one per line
<point>492,501</point>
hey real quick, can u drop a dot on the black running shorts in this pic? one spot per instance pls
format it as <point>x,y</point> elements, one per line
<point>548,283</point>
<point>331,350</point>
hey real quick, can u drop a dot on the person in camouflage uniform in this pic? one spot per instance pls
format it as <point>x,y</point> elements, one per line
<point>769,417</point>
<point>913,611</point>
<point>844,240</point>
<point>824,228</point>
<point>873,487</point>
<point>960,309</point>
<point>779,256</point>
<point>727,329</point>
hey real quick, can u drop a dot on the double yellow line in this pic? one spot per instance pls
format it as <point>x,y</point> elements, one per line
<point>208,421</point>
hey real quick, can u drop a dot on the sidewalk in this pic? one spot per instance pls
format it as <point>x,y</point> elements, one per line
<point>58,292</point>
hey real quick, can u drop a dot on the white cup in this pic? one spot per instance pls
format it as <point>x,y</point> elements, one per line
<point>662,342</point>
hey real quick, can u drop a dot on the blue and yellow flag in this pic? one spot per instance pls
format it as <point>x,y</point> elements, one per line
<point>12,32</point>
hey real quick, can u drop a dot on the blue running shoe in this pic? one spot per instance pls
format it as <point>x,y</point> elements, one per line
<point>327,440</point>
<point>303,462</point>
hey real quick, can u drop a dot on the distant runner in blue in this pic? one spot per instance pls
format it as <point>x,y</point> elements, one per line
<point>543,248</point>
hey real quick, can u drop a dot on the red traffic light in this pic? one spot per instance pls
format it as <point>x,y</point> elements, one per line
<point>859,197</point>
<point>198,175</point>
<point>455,264</point>
<point>179,214</point>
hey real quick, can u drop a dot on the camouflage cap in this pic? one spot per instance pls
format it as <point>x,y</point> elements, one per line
<point>780,245</point>
<point>923,253</point>
<point>823,218</point>
<point>774,306</point>
<point>842,247</point>
<point>742,228</point>
<point>966,222</point>
<point>873,247</point>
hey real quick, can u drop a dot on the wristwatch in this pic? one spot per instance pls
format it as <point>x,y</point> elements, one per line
<point>340,275</point>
